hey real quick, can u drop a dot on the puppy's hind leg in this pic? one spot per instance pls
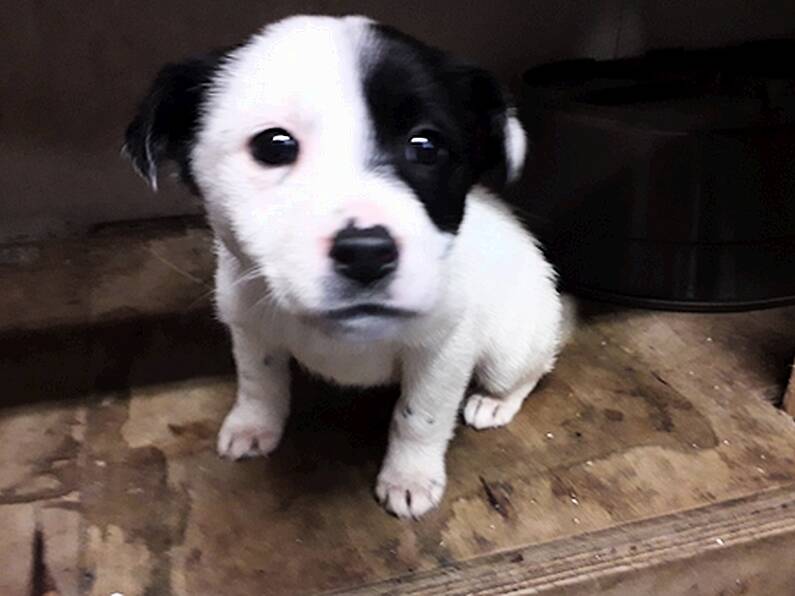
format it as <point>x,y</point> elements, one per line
<point>491,411</point>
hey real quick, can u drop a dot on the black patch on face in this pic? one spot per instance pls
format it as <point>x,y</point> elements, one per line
<point>411,88</point>
<point>165,124</point>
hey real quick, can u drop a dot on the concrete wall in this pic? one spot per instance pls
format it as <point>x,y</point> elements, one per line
<point>72,72</point>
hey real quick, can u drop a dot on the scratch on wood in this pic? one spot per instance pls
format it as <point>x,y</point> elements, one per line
<point>494,501</point>
<point>660,379</point>
<point>174,267</point>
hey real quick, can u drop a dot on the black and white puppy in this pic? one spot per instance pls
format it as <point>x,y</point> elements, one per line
<point>339,161</point>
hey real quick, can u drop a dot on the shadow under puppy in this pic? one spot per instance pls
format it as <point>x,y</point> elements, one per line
<point>342,166</point>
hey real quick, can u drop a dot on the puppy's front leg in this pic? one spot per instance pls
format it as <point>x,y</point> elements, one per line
<point>255,424</point>
<point>412,478</point>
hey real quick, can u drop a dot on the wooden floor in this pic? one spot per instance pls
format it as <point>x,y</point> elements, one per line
<point>651,461</point>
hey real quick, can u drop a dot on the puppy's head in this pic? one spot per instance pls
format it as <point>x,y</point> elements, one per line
<point>335,155</point>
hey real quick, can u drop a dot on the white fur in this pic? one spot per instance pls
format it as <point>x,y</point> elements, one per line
<point>515,145</point>
<point>485,298</point>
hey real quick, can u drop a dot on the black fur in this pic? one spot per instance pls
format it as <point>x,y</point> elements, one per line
<point>165,124</point>
<point>410,86</point>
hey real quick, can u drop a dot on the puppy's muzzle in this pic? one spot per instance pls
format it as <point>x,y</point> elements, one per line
<point>364,255</point>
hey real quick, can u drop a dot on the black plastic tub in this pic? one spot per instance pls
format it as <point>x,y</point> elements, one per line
<point>667,180</point>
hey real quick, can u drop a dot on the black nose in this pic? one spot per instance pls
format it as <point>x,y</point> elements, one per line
<point>364,254</point>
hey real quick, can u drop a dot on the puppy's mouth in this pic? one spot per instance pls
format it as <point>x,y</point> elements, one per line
<point>362,322</point>
<point>366,310</point>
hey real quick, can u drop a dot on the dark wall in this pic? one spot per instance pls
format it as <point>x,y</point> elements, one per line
<point>71,73</point>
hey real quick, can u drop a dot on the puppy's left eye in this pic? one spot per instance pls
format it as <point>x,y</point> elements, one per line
<point>274,147</point>
<point>425,147</point>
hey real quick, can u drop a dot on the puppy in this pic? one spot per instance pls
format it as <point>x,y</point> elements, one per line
<point>342,165</point>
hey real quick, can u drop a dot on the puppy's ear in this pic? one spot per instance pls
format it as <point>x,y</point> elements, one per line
<point>165,124</point>
<point>499,143</point>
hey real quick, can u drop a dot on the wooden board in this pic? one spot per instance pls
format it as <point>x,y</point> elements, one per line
<point>651,461</point>
<point>119,272</point>
<point>126,305</point>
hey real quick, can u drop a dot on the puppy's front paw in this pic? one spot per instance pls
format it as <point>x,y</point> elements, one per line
<point>248,432</point>
<point>409,492</point>
<point>482,411</point>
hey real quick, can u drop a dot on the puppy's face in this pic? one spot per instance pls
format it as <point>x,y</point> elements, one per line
<point>334,157</point>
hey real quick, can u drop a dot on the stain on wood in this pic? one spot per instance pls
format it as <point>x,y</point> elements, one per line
<point>41,581</point>
<point>788,403</point>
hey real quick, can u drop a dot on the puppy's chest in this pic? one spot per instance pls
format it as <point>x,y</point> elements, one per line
<point>362,366</point>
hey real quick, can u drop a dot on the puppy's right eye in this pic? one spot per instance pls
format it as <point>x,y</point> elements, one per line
<point>425,147</point>
<point>274,147</point>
